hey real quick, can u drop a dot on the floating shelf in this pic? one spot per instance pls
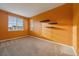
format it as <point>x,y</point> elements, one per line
<point>48,21</point>
<point>45,20</point>
<point>55,28</point>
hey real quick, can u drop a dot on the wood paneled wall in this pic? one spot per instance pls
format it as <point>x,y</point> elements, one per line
<point>4,33</point>
<point>63,16</point>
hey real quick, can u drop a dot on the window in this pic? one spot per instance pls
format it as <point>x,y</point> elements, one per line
<point>15,23</point>
<point>31,25</point>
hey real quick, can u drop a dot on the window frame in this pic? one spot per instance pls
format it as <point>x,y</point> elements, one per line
<point>31,25</point>
<point>17,22</point>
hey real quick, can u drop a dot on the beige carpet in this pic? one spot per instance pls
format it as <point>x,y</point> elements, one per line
<point>29,46</point>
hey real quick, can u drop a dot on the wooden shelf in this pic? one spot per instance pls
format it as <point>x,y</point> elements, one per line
<point>55,28</point>
<point>45,20</point>
<point>49,22</point>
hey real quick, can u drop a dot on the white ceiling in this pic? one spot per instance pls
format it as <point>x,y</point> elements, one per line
<point>28,9</point>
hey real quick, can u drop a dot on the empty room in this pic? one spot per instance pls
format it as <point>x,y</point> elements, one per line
<point>39,29</point>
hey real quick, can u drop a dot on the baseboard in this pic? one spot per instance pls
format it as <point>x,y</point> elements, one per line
<point>58,44</point>
<point>75,52</point>
<point>13,38</point>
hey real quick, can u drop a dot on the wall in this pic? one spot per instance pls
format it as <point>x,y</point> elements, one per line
<point>76,24</point>
<point>4,33</point>
<point>63,16</point>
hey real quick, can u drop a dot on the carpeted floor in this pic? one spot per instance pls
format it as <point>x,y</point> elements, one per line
<point>30,46</point>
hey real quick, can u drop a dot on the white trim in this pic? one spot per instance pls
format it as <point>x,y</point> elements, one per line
<point>58,44</point>
<point>74,52</point>
<point>74,35</point>
<point>13,38</point>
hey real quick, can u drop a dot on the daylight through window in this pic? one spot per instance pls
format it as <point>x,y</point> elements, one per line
<point>15,23</point>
